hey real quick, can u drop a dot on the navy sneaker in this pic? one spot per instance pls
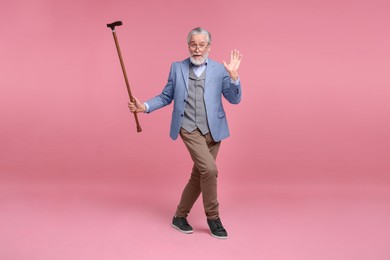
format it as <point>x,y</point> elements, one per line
<point>182,225</point>
<point>217,229</point>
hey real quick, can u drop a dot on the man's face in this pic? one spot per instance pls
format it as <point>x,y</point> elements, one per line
<point>199,49</point>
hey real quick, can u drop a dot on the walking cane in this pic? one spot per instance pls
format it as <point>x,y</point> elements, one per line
<point>112,26</point>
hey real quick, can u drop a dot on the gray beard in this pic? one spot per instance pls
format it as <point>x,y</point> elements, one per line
<point>199,62</point>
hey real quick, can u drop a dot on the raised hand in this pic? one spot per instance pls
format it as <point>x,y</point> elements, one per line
<point>234,64</point>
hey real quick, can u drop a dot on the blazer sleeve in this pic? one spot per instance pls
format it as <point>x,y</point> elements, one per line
<point>230,90</point>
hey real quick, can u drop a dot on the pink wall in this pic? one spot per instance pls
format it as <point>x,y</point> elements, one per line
<point>315,76</point>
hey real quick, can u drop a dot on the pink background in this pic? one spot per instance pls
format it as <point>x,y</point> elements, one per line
<point>305,174</point>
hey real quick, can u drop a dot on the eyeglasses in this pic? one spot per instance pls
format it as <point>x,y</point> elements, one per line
<point>200,46</point>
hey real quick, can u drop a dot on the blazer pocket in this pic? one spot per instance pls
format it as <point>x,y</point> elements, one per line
<point>221,114</point>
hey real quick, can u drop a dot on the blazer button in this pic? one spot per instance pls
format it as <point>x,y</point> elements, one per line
<point>181,115</point>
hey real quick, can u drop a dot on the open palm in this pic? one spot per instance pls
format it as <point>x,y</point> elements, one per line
<point>234,64</point>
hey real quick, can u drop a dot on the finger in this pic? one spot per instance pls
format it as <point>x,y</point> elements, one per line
<point>224,63</point>
<point>237,54</point>
<point>134,101</point>
<point>237,59</point>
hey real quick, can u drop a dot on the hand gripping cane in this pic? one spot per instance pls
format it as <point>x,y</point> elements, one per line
<point>112,26</point>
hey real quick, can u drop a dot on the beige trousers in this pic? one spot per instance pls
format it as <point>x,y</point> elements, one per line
<point>203,151</point>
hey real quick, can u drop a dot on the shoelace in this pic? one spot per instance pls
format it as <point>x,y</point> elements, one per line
<point>218,225</point>
<point>184,221</point>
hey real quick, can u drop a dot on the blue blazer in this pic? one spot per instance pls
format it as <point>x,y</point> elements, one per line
<point>217,83</point>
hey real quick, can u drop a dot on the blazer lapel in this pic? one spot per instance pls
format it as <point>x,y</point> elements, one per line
<point>185,69</point>
<point>209,72</point>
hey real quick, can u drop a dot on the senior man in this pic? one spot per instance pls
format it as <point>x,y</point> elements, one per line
<point>196,85</point>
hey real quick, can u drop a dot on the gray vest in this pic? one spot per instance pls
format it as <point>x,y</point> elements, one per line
<point>195,111</point>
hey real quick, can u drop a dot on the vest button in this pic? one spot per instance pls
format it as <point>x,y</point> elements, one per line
<point>181,115</point>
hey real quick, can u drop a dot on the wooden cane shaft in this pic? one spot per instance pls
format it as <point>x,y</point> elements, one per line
<point>139,129</point>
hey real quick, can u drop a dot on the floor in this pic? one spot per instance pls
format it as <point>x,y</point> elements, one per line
<point>130,219</point>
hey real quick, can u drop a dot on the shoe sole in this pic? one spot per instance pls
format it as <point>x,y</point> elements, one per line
<point>218,236</point>
<point>182,231</point>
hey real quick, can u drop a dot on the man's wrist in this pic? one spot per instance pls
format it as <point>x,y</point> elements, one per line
<point>234,76</point>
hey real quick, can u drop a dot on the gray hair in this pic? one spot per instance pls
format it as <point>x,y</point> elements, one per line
<point>199,30</point>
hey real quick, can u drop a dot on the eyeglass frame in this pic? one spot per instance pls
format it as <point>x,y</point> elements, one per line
<point>194,46</point>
